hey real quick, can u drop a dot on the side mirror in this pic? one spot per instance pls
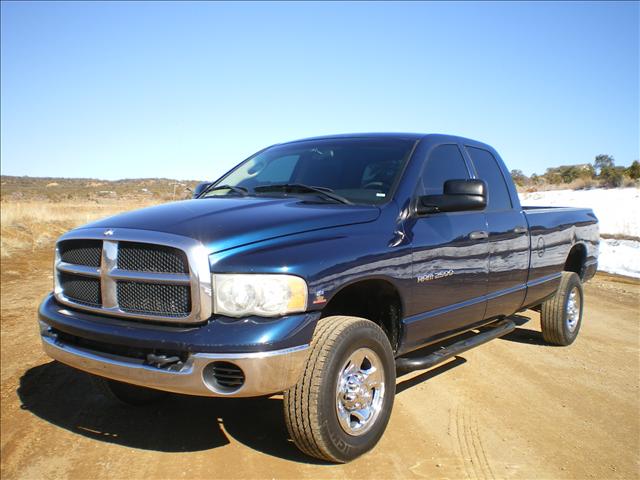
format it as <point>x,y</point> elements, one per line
<point>458,196</point>
<point>200,188</point>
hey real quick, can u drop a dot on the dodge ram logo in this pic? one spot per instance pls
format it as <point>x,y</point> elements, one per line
<point>108,233</point>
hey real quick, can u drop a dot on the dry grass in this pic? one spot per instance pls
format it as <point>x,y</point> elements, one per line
<point>577,184</point>
<point>36,211</point>
<point>28,225</point>
<point>90,190</point>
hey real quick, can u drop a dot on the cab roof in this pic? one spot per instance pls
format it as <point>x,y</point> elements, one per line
<point>394,136</point>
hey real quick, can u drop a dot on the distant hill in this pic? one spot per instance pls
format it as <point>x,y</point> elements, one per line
<point>62,189</point>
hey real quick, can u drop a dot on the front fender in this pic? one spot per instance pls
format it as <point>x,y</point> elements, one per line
<point>328,259</point>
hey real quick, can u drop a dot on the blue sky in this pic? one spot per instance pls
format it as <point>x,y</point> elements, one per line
<point>186,90</point>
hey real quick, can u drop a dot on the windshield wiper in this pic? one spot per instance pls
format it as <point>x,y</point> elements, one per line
<point>302,188</point>
<point>239,190</point>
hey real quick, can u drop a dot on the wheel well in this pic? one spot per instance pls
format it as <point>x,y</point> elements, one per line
<point>576,259</point>
<point>375,300</point>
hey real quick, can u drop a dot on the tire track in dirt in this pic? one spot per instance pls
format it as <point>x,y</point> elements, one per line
<point>470,445</point>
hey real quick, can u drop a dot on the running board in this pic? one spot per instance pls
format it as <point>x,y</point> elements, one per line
<point>421,363</point>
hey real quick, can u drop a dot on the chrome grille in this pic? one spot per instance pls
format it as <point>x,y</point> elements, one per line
<point>142,257</point>
<point>135,274</point>
<point>84,290</point>
<point>166,300</point>
<point>81,252</point>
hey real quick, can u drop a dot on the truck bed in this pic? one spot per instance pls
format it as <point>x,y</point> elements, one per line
<point>554,233</point>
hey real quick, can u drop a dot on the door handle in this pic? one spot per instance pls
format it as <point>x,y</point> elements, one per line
<point>520,229</point>
<point>479,235</point>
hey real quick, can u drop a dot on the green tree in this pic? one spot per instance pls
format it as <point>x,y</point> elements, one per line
<point>536,179</point>
<point>603,161</point>
<point>634,170</point>
<point>519,178</point>
<point>587,171</point>
<point>612,176</point>
<point>568,173</point>
<point>552,175</point>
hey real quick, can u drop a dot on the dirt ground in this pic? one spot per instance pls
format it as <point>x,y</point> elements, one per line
<point>513,408</point>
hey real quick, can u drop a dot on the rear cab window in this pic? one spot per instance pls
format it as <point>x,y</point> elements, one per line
<point>488,170</point>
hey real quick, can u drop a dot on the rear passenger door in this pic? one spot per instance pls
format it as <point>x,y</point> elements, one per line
<point>450,267</point>
<point>508,238</point>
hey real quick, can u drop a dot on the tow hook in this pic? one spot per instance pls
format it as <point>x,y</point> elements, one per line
<point>162,361</point>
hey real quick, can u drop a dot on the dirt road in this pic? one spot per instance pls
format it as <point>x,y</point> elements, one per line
<point>513,408</point>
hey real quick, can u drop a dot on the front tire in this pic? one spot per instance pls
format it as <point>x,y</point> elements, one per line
<point>561,315</point>
<point>340,407</point>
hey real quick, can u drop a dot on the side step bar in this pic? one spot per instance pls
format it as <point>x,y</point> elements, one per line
<point>421,363</point>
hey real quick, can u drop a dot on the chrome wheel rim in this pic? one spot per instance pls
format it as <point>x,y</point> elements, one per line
<point>360,392</point>
<point>573,309</point>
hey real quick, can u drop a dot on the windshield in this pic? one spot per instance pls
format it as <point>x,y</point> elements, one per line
<point>360,170</point>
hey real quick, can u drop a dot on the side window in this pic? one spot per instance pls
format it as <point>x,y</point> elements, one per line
<point>489,171</point>
<point>444,163</point>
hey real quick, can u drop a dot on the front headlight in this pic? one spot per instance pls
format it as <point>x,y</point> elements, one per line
<point>237,295</point>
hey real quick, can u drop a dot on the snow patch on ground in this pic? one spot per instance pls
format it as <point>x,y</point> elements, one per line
<point>621,257</point>
<point>617,209</point>
<point>618,212</point>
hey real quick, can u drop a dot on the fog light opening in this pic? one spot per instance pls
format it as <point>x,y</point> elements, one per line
<point>223,377</point>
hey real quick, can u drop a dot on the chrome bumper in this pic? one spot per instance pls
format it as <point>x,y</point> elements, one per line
<point>264,372</point>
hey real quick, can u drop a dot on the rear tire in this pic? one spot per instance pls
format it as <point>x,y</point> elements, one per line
<point>126,393</point>
<point>341,405</point>
<point>561,315</point>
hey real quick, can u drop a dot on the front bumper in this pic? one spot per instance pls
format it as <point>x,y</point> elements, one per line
<point>264,372</point>
<point>271,354</point>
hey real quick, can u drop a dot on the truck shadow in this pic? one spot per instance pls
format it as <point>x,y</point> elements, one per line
<point>407,383</point>
<point>67,398</point>
<point>524,335</point>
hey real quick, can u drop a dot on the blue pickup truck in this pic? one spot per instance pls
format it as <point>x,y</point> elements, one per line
<point>320,269</point>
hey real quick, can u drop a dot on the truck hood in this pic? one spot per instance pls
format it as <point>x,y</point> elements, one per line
<point>223,223</point>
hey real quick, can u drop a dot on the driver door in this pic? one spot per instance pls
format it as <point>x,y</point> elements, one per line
<point>450,256</point>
